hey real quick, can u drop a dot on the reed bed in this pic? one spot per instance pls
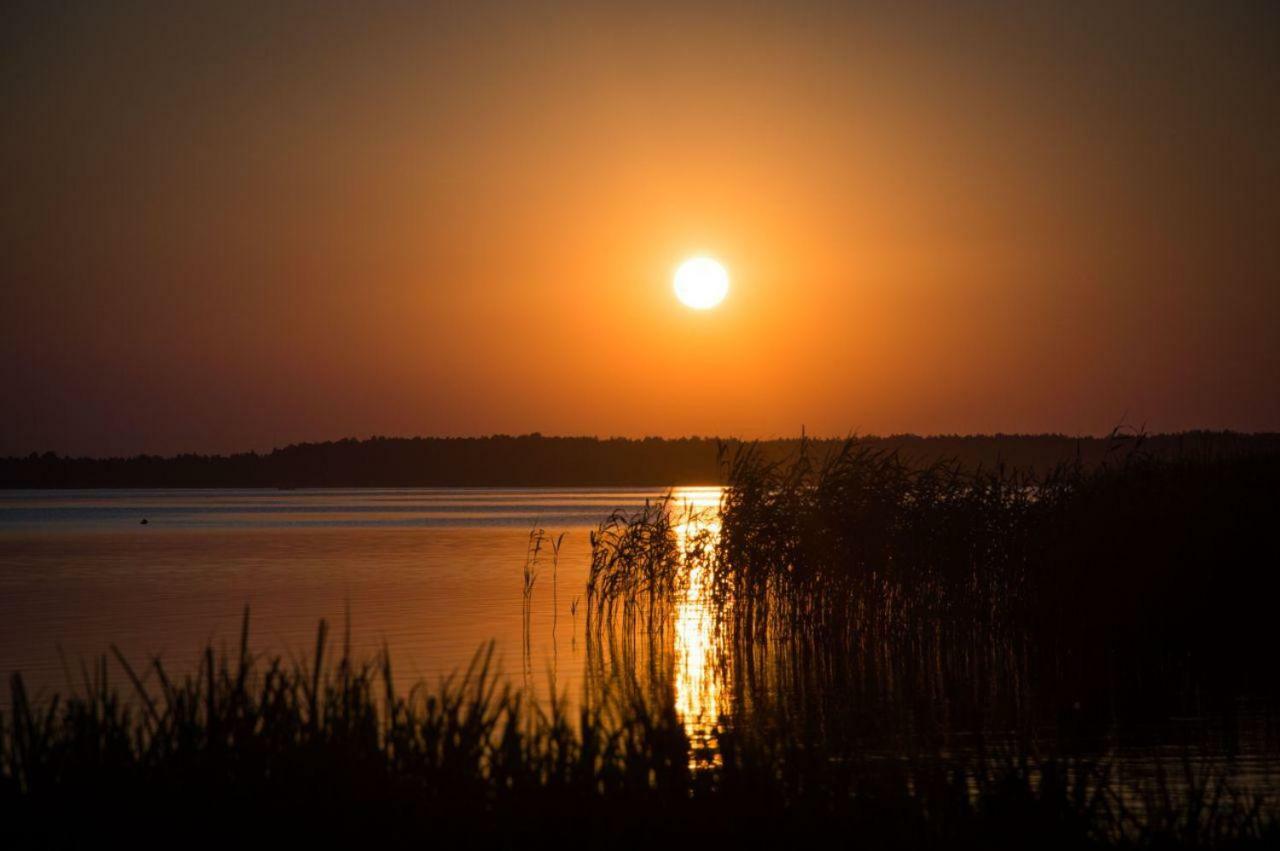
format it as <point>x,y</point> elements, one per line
<point>256,749</point>
<point>1084,599</point>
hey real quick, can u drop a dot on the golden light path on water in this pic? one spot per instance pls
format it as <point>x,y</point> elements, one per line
<point>701,661</point>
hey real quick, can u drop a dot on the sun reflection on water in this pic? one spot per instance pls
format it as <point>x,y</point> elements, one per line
<point>701,661</point>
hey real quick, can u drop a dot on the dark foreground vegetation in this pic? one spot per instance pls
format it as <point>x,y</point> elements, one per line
<point>1086,598</point>
<point>270,751</point>
<point>534,460</point>
<point>911,657</point>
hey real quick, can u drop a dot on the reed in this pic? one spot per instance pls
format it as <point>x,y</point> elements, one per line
<point>636,569</point>
<point>1076,597</point>
<point>260,749</point>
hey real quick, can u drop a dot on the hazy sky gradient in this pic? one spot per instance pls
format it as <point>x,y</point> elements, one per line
<point>234,226</point>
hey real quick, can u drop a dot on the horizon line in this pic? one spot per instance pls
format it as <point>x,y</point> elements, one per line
<point>1119,433</point>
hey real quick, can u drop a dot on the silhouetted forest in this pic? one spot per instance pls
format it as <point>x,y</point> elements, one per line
<point>533,460</point>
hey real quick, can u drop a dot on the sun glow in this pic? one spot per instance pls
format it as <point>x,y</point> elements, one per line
<point>701,283</point>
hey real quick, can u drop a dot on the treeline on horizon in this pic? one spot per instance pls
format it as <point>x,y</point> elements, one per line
<point>534,460</point>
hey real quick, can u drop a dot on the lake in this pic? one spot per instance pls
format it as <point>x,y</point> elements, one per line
<point>432,573</point>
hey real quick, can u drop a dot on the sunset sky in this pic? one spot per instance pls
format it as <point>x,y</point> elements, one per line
<point>233,226</point>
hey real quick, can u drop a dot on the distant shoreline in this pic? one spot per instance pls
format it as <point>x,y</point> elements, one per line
<point>538,461</point>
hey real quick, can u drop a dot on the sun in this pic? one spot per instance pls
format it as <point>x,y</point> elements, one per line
<point>701,283</point>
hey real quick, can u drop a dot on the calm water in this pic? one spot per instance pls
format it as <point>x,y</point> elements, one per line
<point>433,573</point>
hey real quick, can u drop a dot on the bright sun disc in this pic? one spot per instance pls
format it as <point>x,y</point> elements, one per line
<point>701,283</point>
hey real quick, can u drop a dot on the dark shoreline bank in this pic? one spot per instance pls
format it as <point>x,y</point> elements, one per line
<point>537,461</point>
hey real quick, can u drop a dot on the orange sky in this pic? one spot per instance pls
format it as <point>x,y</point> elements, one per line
<point>223,228</point>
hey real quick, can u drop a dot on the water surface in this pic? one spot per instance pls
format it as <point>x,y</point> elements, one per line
<point>432,573</point>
